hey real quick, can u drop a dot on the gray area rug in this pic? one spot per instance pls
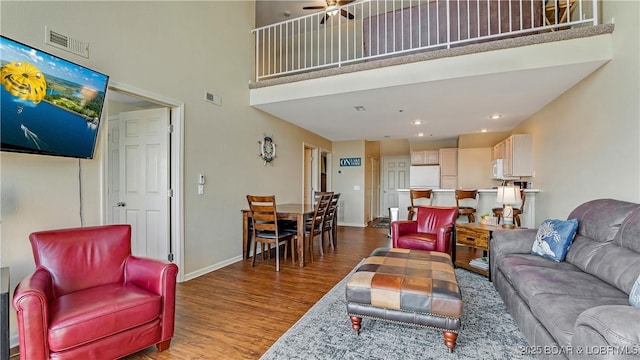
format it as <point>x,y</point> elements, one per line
<point>382,223</point>
<point>324,332</point>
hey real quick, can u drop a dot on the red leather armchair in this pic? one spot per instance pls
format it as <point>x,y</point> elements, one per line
<point>89,298</point>
<point>432,230</point>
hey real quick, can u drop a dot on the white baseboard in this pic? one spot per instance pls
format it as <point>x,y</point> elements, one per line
<point>214,267</point>
<point>208,269</point>
<point>352,225</point>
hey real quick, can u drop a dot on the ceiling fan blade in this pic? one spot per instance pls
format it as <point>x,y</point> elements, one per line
<point>313,7</point>
<point>344,2</point>
<point>346,14</point>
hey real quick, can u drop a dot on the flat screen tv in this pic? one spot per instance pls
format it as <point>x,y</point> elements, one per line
<point>50,106</point>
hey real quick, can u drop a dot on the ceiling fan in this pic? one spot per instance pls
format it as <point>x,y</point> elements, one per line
<point>331,9</point>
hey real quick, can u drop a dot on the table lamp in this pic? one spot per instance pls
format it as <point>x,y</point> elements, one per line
<point>507,196</point>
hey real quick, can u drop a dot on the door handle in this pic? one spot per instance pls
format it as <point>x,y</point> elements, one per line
<point>121,204</point>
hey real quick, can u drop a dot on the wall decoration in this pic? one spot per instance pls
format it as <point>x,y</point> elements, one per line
<point>267,149</point>
<point>355,161</point>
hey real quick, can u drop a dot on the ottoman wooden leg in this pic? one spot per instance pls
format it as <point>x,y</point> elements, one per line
<point>450,339</point>
<point>355,324</point>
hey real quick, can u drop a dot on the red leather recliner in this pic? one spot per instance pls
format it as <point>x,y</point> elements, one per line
<point>432,230</point>
<point>89,298</point>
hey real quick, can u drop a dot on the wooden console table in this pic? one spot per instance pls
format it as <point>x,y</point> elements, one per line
<point>473,236</point>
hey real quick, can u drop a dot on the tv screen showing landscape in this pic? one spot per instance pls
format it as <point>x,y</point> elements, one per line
<point>50,106</point>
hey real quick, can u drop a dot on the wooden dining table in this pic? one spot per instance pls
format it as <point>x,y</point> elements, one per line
<point>298,212</point>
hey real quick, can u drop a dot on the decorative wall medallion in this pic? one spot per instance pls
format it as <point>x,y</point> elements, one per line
<point>267,150</point>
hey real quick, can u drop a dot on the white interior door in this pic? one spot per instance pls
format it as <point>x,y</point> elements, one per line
<point>144,185</point>
<point>315,171</point>
<point>307,190</point>
<point>375,189</point>
<point>113,181</point>
<point>395,175</point>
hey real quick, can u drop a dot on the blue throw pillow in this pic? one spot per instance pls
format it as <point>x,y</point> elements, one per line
<point>554,238</point>
<point>634,295</point>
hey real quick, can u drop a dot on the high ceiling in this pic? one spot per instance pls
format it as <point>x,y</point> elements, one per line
<point>446,108</point>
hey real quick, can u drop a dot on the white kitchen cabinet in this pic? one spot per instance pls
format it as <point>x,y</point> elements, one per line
<point>518,155</point>
<point>424,157</point>
<point>448,161</point>
<point>498,151</point>
<point>448,168</point>
<point>448,182</point>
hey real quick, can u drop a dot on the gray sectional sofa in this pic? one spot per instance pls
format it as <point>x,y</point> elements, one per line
<point>578,308</point>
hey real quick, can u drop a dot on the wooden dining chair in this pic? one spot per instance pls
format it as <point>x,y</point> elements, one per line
<point>314,228</point>
<point>265,228</point>
<point>415,195</point>
<point>467,202</point>
<point>329,225</point>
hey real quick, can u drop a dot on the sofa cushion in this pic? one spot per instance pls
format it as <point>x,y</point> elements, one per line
<point>634,295</point>
<point>601,219</point>
<point>530,281</point>
<point>609,262</point>
<point>629,232</point>
<point>560,318</point>
<point>507,263</point>
<point>118,307</point>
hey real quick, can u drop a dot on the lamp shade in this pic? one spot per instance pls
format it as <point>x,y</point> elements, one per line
<point>508,195</point>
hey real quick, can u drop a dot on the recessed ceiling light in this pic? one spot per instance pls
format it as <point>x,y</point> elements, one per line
<point>483,130</point>
<point>416,122</point>
<point>420,134</point>
<point>359,108</point>
<point>495,116</point>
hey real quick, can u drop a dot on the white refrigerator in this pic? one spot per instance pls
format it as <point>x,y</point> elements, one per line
<point>424,177</point>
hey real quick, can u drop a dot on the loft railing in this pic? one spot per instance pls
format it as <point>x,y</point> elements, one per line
<point>370,29</point>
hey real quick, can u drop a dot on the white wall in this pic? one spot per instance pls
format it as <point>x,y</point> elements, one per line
<point>345,178</point>
<point>394,148</point>
<point>177,50</point>
<point>371,180</point>
<point>587,142</point>
<point>473,168</point>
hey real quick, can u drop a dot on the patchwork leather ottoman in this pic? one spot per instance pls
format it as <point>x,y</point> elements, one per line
<point>407,286</point>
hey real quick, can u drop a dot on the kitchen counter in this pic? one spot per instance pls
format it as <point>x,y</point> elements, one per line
<point>486,202</point>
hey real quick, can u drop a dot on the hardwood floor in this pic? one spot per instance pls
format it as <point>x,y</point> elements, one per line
<point>238,312</point>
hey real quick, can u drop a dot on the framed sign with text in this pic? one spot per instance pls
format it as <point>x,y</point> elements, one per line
<point>351,161</point>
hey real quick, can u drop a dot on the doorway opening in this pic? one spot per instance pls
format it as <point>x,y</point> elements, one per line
<point>316,175</point>
<point>143,171</point>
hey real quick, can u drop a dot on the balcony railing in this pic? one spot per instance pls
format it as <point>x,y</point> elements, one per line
<point>370,29</point>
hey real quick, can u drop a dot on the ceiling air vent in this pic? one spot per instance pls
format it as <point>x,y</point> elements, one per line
<point>67,43</point>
